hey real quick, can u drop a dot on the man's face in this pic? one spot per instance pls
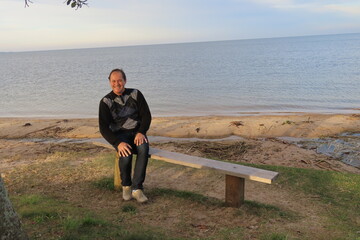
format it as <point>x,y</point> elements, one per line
<point>117,83</point>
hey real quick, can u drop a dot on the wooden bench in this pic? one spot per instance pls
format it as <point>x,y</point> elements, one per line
<point>235,174</point>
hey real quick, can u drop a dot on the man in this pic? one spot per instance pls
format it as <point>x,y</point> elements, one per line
<point>124,119</point>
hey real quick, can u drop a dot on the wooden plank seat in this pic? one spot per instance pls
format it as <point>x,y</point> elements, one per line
<point>235,174</point>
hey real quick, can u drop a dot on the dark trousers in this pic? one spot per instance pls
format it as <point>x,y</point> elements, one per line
<point>125,163</point>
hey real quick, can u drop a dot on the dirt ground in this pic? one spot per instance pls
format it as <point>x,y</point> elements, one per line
<point>69,180</point>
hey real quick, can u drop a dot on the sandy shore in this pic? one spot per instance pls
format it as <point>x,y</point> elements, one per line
<point>301,125</point>
<point>258,136</point>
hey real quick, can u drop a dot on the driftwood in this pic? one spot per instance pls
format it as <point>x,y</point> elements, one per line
<point>10,225</point>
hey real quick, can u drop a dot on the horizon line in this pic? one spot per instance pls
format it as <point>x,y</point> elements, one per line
<point>186,42</point>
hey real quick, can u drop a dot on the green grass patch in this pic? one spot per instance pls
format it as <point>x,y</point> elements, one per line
<point>55,216</point>
<point>48,218</point>
<point>339,192</point>
<point>40,216</point>
<point>106,183</point>
<point>38,208</point>
<point>128,208</point>
<point>71,223</point>
<point>88,227</point>
<point>336,188</point>
<point>30,199</point>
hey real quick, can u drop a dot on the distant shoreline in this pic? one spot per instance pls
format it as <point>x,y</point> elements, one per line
<point>177,43</point>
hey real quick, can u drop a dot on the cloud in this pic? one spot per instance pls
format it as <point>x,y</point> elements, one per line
<point>335,6</point>
<point>52,24</point>
<point>352,9</point>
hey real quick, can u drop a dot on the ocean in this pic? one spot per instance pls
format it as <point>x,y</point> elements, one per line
<point>313,74</point>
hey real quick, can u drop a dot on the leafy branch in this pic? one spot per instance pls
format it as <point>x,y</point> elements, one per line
<point>72,3</point>
<point>76,3</point>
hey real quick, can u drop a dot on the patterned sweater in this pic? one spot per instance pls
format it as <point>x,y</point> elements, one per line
<point>123,113</point>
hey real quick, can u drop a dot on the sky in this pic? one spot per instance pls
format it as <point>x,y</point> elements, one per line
<point>51,24</point>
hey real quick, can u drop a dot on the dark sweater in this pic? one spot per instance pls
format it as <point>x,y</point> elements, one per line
<point>124,113</point>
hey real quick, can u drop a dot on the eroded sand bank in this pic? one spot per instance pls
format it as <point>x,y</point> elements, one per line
<point>301,125</point>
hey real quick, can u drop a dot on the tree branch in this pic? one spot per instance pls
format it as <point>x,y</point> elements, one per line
<point>27,3</point>
<point>76,3</point>
<point>73,3</point>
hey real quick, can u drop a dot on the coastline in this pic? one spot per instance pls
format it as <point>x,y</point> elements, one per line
<point>208,127</point>
<point>261,133</point>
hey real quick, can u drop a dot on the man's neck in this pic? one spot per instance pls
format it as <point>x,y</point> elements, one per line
<point>120,94</point>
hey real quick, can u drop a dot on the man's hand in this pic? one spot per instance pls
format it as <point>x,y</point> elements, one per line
<point>140,139</point>
<point>124,149</point>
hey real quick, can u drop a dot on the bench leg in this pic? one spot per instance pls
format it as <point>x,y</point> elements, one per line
<point>117,180</point>
<point>234,191</point>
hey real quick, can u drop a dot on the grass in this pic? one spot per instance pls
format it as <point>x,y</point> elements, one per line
<point>265,211</point>
<point>274,236</point>
<point>194,197</point>
<point>231,233</point>
<point>38,209</point>
<point>88,227</point>
<point>250,208</point>
<point>340,192</point>
<point>335,188</point>
<point>339,189</point>
<point>128,208</point>
<point>106,183</point>
<point>47,217</point>
<point>104,161</point>
<point>72,223</point>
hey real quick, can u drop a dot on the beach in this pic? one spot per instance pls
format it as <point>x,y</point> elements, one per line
<point>260,131</point>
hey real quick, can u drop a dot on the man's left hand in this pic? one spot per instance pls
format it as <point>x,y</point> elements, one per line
<point>140,139</point>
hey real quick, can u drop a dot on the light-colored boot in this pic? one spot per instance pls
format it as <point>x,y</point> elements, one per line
<point>139,195</point>
<point>126,193</point>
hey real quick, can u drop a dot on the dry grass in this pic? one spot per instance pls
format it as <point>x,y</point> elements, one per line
<point>68,194</point>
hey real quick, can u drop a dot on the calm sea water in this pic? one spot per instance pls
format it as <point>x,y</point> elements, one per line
<point>297,74</point>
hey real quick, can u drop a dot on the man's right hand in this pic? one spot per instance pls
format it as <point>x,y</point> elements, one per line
<point>124,149</point>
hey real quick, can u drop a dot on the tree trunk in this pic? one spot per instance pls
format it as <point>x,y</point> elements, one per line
<point>10,226</point>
